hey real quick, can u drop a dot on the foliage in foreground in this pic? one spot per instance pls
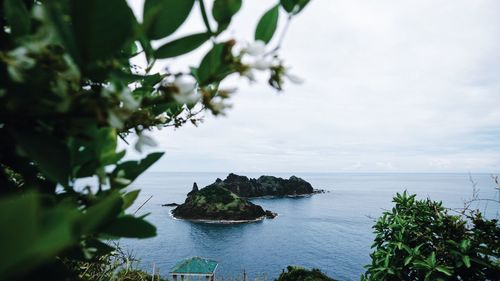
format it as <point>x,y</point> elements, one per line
<point>419,240</point>
<point>295,273</point>
<point>68,91</point>
<point>115,266</point>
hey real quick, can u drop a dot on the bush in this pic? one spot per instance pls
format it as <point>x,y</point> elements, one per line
<point>419,240</point>
<point>295,273</point>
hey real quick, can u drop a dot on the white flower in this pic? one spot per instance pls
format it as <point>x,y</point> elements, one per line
<point>19,62</point>
<point>186,91</point>
<point>144,140</point>
<point>128,101</point>
<point>256,48</point>
<point>218,107</point>
<point>114,120</point>
<point>249,74</point>
<point>162,118</point>
<point>294,78</point>
<point>262,64</point>
<point>183,85</point>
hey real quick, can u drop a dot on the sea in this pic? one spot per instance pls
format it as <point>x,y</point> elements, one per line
<point>330,231</point>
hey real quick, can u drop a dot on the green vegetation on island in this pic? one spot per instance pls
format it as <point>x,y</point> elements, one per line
<point>266,186</point>
<point>216,203</point>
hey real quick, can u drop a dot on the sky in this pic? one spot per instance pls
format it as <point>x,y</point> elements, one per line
<point>389,86</point>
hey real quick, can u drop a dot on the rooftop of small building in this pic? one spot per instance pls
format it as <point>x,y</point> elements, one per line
<point>195,265</point>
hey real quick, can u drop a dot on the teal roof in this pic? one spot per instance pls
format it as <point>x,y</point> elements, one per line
<point>194,265</point>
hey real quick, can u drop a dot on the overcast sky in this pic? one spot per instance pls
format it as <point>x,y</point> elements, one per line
<point>390,86</point>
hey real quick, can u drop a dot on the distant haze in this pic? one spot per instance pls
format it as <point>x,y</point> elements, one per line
<point>390,86</point>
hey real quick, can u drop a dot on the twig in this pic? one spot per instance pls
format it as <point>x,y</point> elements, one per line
<point>143,204</point>
<point>123,139</point>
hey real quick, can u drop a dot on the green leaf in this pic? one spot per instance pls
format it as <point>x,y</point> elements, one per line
<point>131,227</point>
<point>94,151</point>
<point>163,17</point>
<point>32,235</point>
<point>100,214</point>
<point>126,172</point>
<point>421,264</point>
<point>267,25</point>
<point>49,154</point>
<point>101,27</point>
<point>464,245</point>
<point>293,6</point>
<point>105,141</point>
<point>288,5</point>
<point>432,259</point>
<point>212,65</point>
<point>129,198</point>
<point>57,14</point>
<point>444,270</point>
<point>182,45</point>
<point>466,260</point>
<point>17,16</point>
<point>99,247</point>
<point>224,10</point>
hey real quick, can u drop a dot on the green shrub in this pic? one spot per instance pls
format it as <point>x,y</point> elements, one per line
<point>295,273</point>
<point>419,240</point>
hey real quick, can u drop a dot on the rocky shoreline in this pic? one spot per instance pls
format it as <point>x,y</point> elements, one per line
<point>220,221</point>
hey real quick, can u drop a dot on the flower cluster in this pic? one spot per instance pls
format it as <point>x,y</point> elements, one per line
<point>255,58</point>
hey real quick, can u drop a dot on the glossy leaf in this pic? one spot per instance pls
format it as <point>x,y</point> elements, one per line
<point>17,16</point>
<point>213,65</point>
<point>126,172</point>
<point>163,17</point>
<point>131,227</point>
<point>129,198</point>
<point>100,248</point>
<point>466,260</point>
<point>94,152</point>
<point>182,45</point>
<point>32,235</point>
<point>267,25</point>
<point>49,154</point>
<point>293,6</point>
<point>224,10</point>
<point>101,27</point>
<point>444,270</point>
<point>100,214</point>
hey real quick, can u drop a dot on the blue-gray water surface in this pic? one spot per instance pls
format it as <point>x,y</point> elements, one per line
<point>330,231</point>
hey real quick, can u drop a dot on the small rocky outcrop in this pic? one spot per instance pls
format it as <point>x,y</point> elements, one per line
<point>170,205</point>
<point>216,203</point>
<point>194,190</point>
<point>265,186</point>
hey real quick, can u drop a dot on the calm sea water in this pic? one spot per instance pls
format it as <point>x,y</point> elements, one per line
<point>330,231</point>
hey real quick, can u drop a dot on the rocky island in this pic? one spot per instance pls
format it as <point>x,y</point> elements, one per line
<point>216,203</point>
<point>225,200</point>
<point>265,186</point>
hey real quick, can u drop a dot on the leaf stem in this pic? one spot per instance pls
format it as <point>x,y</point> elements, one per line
<point>205,16</point>
<point>282,35</point>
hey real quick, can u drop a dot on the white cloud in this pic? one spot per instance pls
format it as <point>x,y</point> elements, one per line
<point>390,85</point>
